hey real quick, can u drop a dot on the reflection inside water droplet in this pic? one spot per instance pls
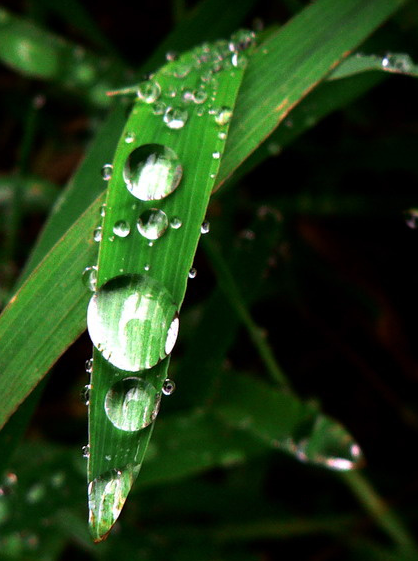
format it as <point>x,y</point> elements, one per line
<point>152,172</point>
<point>132,320</point>
<point>152,223</point>
<point>132,404</point>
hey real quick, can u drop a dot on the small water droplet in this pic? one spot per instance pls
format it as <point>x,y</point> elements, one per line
<point>241,40</point>
<point>132,320</point>
<point>152,172</point>
<point>216,155</point>
<point>129,137</point>
<point>132,404</point>
<point>168,387</point>
<point>223,116</point>
<point>200,96</point>
<point>205,227</point>
<point>97,234</point>
<point>175,118</point>
<point>200,111</point>
<point>222,135</point>
<point>85,394</point>
<point>176,223</point>
<point>149,91</point>
<point>85,450</point>
<point>121,229</point>
<point>146,267</point>
<point>182,70</point>
<point>108,457</point>
<point>159,108</point>
<point>88,366</point>
<point>192,273</point>
<point>152,223</point>
<point>107,170</point>
<point>89,277</point>
<point>397,62</point>
<point>170,56</point>
<point>102,210</point>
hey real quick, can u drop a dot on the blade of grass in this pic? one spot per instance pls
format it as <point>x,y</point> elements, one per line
<point>208,91</point>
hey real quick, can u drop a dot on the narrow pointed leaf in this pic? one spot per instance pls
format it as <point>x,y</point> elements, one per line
<point>156,202</point>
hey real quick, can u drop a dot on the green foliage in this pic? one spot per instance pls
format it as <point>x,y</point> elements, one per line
<point>190,132</point>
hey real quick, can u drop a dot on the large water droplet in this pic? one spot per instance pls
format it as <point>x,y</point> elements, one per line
<point>175,118</point>
<point>107,170</point>
<point>152,172</point>
<point>132,320</point>
<point>149,91</point>
<point>121,229</point>
<point>132,404</point>
<point>152,223</point>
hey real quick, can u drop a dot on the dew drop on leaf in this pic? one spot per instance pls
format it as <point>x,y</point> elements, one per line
<point>129,137</point>
<point>132,321</point>
<point>205,227</point>
<point>132,404</point>
<point>152,172</point>
<point>223,116</point>
<point>88,366</point>
<point>149,91</point>
<point>121,229</point>
<point>152,223</point>
<point>85,451</point>
<point>175,118</point>
<point>168,387</point>
<point>107,170</point>
<point>192,273</point>
<point>89,277</point>
<point>176,223</point>
<point>97,234</point>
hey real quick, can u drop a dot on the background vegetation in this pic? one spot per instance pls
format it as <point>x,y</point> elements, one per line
<point>307,279</point>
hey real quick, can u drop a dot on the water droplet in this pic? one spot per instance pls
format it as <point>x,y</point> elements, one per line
<point>146,267</point>
<point>102,210</point>
<point>216,155</point>
<point>85,394</point>
<point>152,223</point>
<point>107,494</point>
<point>152,172</point>
<point>85,451</point>
<point>223,116</point>
<point>170,56</point>
<point>176,223</point>
<point>200,111</point>
<point>132,320</point>
<point>241,40</point>
<point>192,273</point>
<point>108,457</point>
<point>132,404</point>
<point>222,135</point>
<point>149,91</point>
<point>398,62</point>
<point>200,96</point>
<point>107,170</point>
<point>97,234</point>
<point>182,70</point>
<point>129,137</point>
<point>121,229</point>
<point>188,95</point>
<point>159,108</point>
<point>175,118</point>
<point>88,366</point>
<point>89,277</point>
<point>205,227</point>
<point>171,92</point>
<point>168,387</point>
<point>411,218</point>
